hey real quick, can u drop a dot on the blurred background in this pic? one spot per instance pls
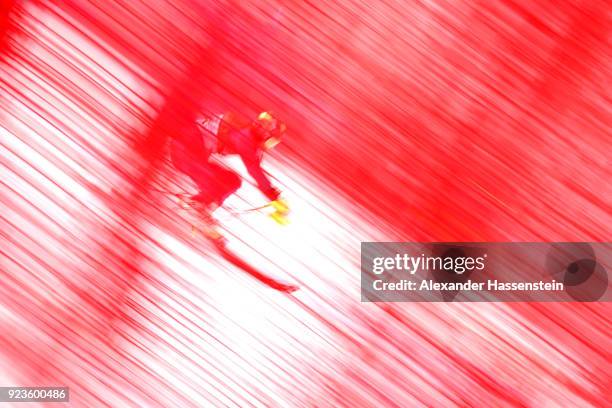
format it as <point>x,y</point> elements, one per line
<point>407,121</point>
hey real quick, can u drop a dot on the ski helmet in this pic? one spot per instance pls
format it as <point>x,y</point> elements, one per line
<point>269,128</point>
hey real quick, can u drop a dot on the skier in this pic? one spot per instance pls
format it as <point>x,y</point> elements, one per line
<point>194,147</point>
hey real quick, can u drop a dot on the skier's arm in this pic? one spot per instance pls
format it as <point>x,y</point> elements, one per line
<point>251,157</point>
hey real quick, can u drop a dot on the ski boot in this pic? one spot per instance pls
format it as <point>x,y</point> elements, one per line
<point>208,225</point>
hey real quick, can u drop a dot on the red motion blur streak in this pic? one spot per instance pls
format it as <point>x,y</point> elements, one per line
<point>437,121</point>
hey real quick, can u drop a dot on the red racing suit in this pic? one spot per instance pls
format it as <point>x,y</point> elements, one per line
<point>225,134</point>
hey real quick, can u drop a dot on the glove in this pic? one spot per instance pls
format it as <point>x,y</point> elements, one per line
<point>280,206</point>
<point>281,211</point>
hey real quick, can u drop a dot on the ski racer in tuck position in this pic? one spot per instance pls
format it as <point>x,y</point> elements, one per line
<point>193,150</point>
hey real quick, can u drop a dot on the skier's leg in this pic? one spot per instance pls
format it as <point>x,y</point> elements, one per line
<point>215,183</point>
<point>226,183</point>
